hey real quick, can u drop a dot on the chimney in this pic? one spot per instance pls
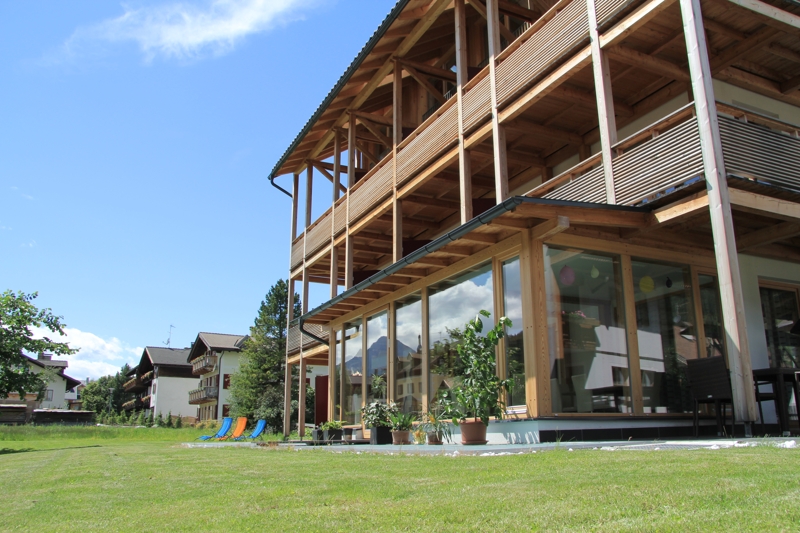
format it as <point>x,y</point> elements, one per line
<point>44,357</point>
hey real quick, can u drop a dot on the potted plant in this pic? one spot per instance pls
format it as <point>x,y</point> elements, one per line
<point>480,394</point>
<point>377,418</point>
<point>332,430</point>
<point>402,423</point>
<point>318,434</point>
<point>436,425</point>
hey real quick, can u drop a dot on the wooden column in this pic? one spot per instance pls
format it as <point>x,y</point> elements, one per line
<point>287,387</point>
<point>632,335</point>
<point>498,131</point>
<point>331,415</point>
<point>295,190</point>
<point>425,352</point>
<point>337,163</point>
<point>397,138</point>
<point>334,270</point>
<point>301,389</point>
<point>607,123</point>
<point>462,76</point>
<point>337,155</point>
<point>351,180</point>
<point>309,192</point>
<point>727,258</point>
<point>534,315</point>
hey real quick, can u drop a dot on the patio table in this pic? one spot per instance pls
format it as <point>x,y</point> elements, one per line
<point>778,377</point>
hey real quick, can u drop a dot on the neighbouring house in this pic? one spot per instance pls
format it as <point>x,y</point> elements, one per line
<point>73,395</point>
<point>55,393</point>
<point>161,382</point>
<point>621,178</point>
<point>214,358</point>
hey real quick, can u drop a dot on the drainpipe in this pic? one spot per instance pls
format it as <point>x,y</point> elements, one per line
<point>284,191</point>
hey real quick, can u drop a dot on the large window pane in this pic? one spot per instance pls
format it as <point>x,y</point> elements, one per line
<point>515,350</point>
<point>451,304</point>
<point>781,325</point>
<point>352,379</point>
<point>588,346</point>
<point>712,316</point>
<point>337,379</point>
<point>408,354</point>
<point>377,345</point>
<point>667,335</point>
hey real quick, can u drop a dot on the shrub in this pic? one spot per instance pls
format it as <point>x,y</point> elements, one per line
<point>378,414</point>
<point>140,419</point>
<point>150,420</point>
<point>169,419</point>
<point>178,422</point>
<point>160,420</point>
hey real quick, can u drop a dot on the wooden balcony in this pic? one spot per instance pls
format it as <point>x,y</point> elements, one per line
<point>135,404</point>
<point>203,395</point>
<point>146,402</point>
<point>147,377</point>
<point>204,364</point>
<point>134,385</point>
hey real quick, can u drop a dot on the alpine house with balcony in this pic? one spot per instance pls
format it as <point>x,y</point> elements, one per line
<point>161,382</point>
<point>214,358</point>
<point>621,178</point>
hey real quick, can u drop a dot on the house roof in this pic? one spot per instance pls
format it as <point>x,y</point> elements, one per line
<point>71,382</point>
<point>224,342</point>
<point>165,356</point>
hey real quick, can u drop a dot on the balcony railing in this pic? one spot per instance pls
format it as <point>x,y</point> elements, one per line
<point>146,402</point>
<point>136,403</point>
<point>147,377</point>
<point>133,384</point>
<point>203,395</point>
<point>204,364</point>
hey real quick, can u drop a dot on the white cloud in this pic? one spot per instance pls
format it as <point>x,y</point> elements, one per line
<point>458,305</point>
<point>97,356</point>
<point>183,30</point>
<point>29,244</point>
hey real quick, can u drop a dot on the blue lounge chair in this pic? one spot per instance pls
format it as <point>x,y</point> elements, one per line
<point>226,427</point>
<point>261,425</point>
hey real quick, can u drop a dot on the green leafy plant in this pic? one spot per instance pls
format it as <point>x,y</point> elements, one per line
<point>378,386</point>
<point>480,393</point>
<point>150,420</point>
<point>437,422</point>
<point>331,425</point>
<point>169,419</point>
<point>178,423</point>
<point>140,419</point>
<point>378,414</point>
<point>160,420</point>
<point>402,421</point>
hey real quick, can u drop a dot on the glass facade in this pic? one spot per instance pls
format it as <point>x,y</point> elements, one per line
<point>377,357</point>
<point>666,328</point>
<point>408,354</point>
<point>352,374</point>
<point>588,344</point>
<point>451,304</point>
<point>515,349</point>
<point>712,316</point>
<point>337,378</point>
<point>781,326</point>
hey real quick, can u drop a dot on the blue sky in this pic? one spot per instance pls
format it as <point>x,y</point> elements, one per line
<point>135,147</point>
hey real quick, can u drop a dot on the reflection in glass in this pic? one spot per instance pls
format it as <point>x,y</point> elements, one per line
<point>352,379</point>
<point>337,380</point>
<point>667,335</point>
<point>451,304</point>
<point>377,347</point>
<point>515,350</point>
<point>588,346</point>
<point>781,326</point>
<point>408,354</point>
<point>712,316</point>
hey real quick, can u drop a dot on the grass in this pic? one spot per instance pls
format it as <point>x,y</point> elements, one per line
<point>137,482</point>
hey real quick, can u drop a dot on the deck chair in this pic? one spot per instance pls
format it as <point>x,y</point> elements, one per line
<point>241,425</point>
<point>223,430</point>
<point>261,425</point>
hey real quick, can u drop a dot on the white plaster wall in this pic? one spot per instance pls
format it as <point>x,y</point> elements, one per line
<point>752,269</point>
<point>228,364</point>
<point>59,387</point>
<point>172,394</point>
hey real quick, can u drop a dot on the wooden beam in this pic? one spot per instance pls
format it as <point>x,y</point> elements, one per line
<point>432,202</point>
<point>633,22</point>
<point>790,85</point>
<point>309,191</point>
<point>587,215</point>
<point>658,66</point>
<point>768,235</point>
<point>524,125</point>
<point>397,229</point>
<point>372,117</point>
<point>295,195</point>
<point>765,205</point>
<point>570,94</point>
<point>483,11</point>
<point>607,124</point>
<point>384,140</point>
<point>434,72</point>
<point>759,39</point>
<point>719,203</point>
<point>724,30</point>
<point>545,230</point>
<point>518,12</point>
<point>428,86</point>
<point>366,153</point>
<point>337,164</point>
<point>327,175</point>
<point>770,12</point>
<point>782,51</point>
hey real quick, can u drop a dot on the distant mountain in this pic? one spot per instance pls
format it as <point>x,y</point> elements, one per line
<point>377,354</point>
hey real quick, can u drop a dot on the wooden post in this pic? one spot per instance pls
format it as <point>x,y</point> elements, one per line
<point>331,415</point>
<point>309,192</point>
<point>498,131</point>
<point>348,262</point>
<point>607,123</point>
<point>632,333</point>
<point>287,386</point>
<point>295,190</point>
<point>536,341</point>
<point>301,389</point>
<point>462,77</point>
<point>727,258</point>
<point>426,364</point>
<point>334,270</point>
<point>397,138</point>
<point>337,163</point>
<point>351,180</point>
<point>337,155</point>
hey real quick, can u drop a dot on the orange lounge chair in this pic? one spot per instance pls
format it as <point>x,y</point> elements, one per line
<point>241,425</point>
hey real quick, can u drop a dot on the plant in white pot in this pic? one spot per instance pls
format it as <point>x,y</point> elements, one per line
<point>480,393</point>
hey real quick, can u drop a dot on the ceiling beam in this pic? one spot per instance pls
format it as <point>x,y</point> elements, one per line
<point>768,235</point>
<point>632,57</point>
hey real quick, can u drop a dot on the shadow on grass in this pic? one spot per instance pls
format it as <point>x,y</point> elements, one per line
<point>4,451</point>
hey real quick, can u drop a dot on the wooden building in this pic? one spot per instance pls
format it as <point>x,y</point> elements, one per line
<point>619,177</point>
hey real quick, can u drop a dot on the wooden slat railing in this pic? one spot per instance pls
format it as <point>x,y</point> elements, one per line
<point>340,216</point>
<point>294,337</point>
<point>297,253</point>
<point>319,233</point>
<point>371,190</point>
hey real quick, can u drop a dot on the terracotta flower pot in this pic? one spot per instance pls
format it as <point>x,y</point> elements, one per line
<point>400,437</point>
<point>473,431</point>
<point>434,438</point>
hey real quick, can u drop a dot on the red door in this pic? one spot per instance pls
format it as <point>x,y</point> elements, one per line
<point>320,399</point>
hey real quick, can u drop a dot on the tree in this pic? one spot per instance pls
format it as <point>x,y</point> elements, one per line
<point>257,390</point>
<point>107,393</point>
<point>18,315</point>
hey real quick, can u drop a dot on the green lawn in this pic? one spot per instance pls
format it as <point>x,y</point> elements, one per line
<point>104,479</point>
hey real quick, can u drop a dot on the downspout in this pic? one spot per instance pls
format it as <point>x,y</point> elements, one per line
<point>284,191</point>
<point>309,334</point>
